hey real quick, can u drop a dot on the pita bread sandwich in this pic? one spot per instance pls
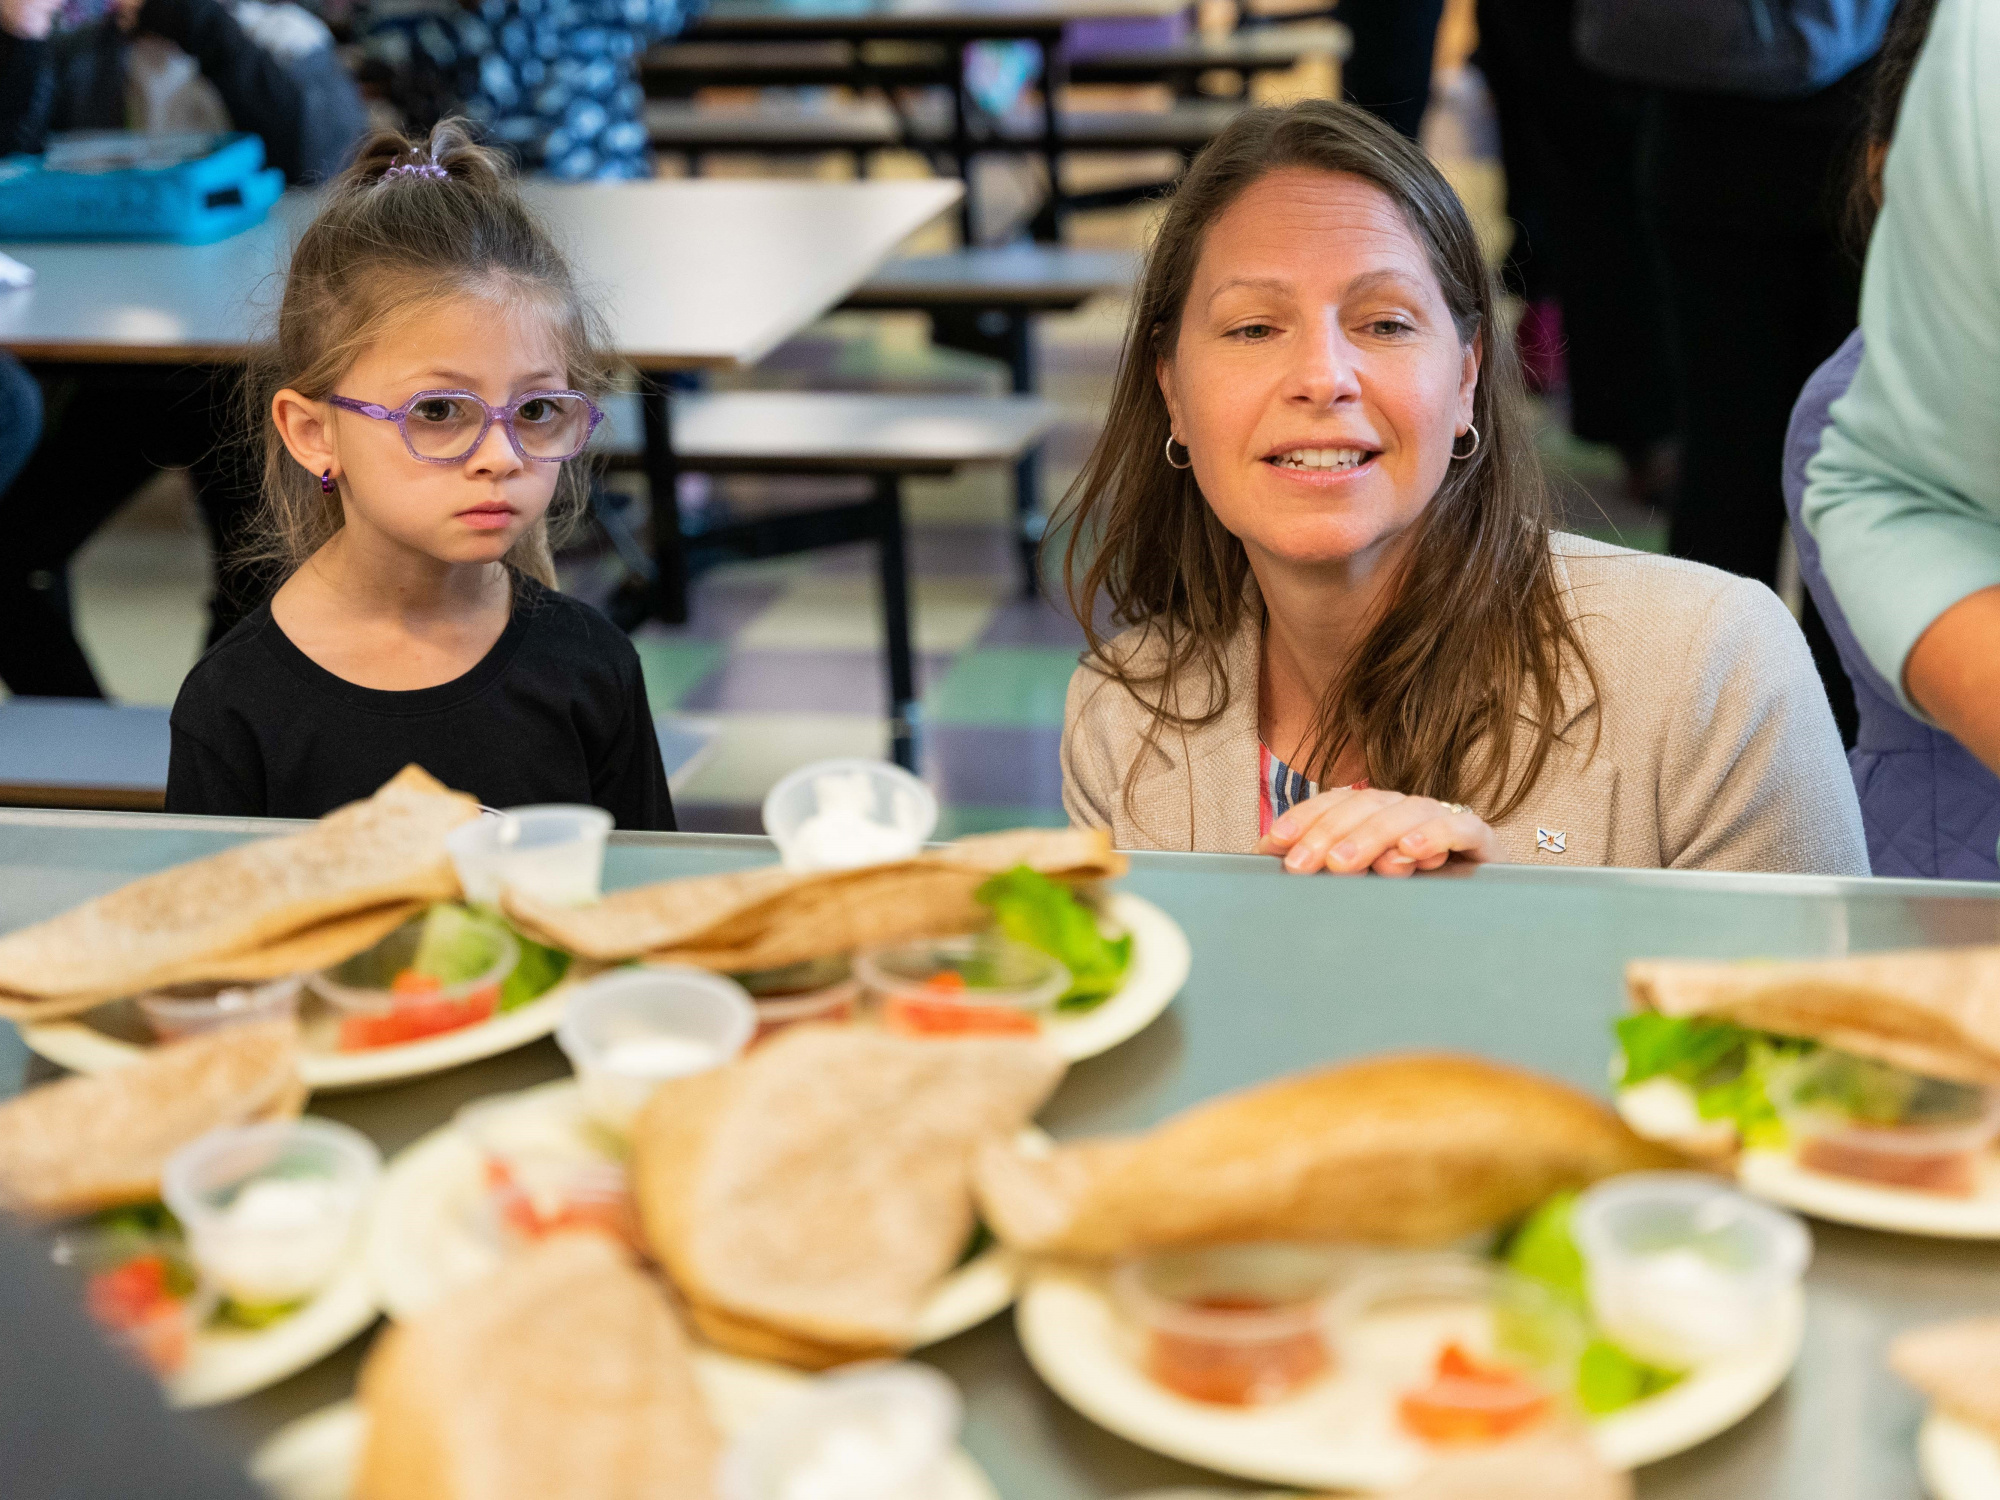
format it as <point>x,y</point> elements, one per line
<point>1408,1150</point>
<point>1957,1365</point>
<point>564,1372</point>
<point>770,917</point>
<point>87,1143</point>
<point>807,1199</point>
<point>1551,1465</point>
<point>1857,1063</point>
<point>259,911</point>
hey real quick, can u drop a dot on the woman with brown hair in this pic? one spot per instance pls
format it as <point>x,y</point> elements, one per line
<point>1317,508</point>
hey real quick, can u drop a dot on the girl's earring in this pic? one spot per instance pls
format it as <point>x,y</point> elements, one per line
<point>326,482</point>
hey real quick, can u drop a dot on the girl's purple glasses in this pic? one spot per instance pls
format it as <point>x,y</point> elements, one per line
<point>447,427</point>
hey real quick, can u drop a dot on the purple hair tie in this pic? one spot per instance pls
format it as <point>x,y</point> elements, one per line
<point>418,169</point>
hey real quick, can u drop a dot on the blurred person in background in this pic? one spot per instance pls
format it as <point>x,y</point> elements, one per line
<point>1743,156</point>
<point>154,65</point>
<point>174,65</point>
<point>1595,320</point>
<point>1388,72</point>
<point>20,418</point>
<point>1903,494</point>
<point>555,83</point>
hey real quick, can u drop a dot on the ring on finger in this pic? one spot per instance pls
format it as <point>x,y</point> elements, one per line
<point>1454,807</point>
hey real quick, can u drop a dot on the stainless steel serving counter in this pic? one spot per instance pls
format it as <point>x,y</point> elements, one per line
<point>1518,964</point>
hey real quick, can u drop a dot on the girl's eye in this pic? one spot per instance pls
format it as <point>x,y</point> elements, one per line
<point>538,410</point>
<point>437,409</point>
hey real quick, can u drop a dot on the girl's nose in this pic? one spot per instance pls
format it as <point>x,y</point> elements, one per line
<point>495,455</point>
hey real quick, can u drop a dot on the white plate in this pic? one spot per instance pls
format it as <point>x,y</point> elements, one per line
<point>82,1048</point>
<point>1341,1433</point>
<point>1958,1461</point>
<point>426,1237</point>
<point>225,1364</point>
<point>1160,959</point>
<point>314,1458</point>
<point>1776,1175</point>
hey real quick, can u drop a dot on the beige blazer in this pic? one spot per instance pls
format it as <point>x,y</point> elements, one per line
<point>1715,750</point>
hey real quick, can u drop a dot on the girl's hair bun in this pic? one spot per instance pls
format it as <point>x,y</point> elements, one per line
<point>451,154</point>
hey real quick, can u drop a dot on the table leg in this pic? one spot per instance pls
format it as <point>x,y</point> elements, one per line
<point>1048,225</point>
<point>903,710</point>
<point>1029,522</point>
<point>961,141</point>
<point>670,601</point>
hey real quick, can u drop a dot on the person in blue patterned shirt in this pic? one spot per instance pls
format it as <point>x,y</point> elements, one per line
<point>554,82</point>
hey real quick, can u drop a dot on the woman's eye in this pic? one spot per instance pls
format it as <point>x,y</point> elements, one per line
<point>435,410</point>
<point>1256,332</point>
<point>1388,328</point>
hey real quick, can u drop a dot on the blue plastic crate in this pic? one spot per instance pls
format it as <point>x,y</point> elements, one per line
<point>118,186</point>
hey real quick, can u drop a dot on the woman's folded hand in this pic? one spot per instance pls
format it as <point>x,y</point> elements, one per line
<point>1348,831</point>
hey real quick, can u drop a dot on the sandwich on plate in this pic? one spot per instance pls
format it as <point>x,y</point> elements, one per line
<point>261,910</point>
<point>564,1372</point>
<point>1957,1365</point>
<point>808,1198</point>
<point>1410,1150</point>
<point>1883,1068</point>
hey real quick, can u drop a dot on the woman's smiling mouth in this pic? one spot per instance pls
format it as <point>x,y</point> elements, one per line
<point>1320,460</point>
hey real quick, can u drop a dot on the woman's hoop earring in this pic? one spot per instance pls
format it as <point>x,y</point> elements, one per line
<point>1170,454</point>
<point>326,482</point>
<point>1469,451</point>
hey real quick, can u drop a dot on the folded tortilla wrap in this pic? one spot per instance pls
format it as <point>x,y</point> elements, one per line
<point>1934,1011</point>
<point>1957,1365</point>
<point>769,917</point>
<point>257,911</point>
<point>564,1372</point>
<point>807,1199</point>
<point>1552,1464</point>
<point>1410,1150</point>
<point>87,1143</point>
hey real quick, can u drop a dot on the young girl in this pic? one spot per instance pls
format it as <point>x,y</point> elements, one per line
<point>434,367</point>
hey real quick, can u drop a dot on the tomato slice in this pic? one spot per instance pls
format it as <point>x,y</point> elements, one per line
<point>1469,1402</point>
<point>417,1019</point>
<point>947,1018</point>
<point>134,1302</point>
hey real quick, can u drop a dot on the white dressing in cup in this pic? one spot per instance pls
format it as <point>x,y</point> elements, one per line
<point>629,1031</point>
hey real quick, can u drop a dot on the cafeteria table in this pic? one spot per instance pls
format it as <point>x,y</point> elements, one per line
<point>952,23</point>
<point>693,275</point>
<point>1519,964</point>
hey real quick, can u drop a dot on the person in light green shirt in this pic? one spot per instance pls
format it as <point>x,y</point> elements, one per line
<point>1904,493</point>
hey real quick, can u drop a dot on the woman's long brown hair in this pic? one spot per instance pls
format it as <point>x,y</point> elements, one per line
<point>1468,653</point>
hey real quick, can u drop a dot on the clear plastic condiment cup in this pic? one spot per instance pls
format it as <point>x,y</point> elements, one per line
<point>1000,985</point>
<point>190,1009</point>
<point>840,814</point>
<point>272,1210</point>
<point>361,991</point>
<point>820,989</point>
<point>870,1432</point>
<point>628,1032</point>
<point>1682,1268</point>
<point>1938,1146</point>
<point>1234,1325</point>
<point>553,852</point>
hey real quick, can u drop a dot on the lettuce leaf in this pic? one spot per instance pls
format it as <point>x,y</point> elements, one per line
<point>540,970</point>
<point>1542,1249</point>
<point>1030,908</point>
<point>1728,1068</point>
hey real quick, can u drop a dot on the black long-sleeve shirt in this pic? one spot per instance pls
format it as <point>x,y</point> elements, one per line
<point>555,712</point>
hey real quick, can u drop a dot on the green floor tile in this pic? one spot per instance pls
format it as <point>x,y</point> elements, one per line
<point>674,668</point>
<point>956,822</point>
<point>1003,685</point>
